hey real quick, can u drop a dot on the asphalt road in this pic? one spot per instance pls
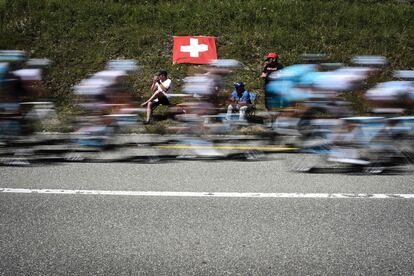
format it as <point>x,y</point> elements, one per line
<point>54,234</point>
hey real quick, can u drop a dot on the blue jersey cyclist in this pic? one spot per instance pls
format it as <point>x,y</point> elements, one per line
<point>239,101</point>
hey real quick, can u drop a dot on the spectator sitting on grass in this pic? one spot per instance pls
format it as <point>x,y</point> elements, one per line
<point>239,101</point>
<point>161,86</point>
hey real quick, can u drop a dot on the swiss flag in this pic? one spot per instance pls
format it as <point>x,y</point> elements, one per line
<point>194,49</point>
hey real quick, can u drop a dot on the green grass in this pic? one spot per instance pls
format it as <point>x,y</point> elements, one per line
<point>80,36</point>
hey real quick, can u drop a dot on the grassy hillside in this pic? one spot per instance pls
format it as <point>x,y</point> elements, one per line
<point>80,36</point>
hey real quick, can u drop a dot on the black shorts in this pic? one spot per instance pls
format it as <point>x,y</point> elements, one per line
<point>160,100</point>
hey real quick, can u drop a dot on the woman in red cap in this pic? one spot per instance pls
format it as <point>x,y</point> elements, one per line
<point>272,65</point>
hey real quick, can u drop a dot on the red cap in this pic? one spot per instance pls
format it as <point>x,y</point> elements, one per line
<point>272,55</point>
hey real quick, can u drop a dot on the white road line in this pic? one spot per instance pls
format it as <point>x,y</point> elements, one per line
<point>205,194</point>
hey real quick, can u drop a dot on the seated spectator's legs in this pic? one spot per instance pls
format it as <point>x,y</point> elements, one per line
<point>149,111</point>
<point>230,109</point>
<point>160,99</point>
<point>242,112</point>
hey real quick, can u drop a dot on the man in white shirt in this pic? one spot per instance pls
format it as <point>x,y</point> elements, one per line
<point>161,86</point>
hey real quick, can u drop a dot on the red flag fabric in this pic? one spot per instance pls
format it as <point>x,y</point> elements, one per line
<point>194,49</point>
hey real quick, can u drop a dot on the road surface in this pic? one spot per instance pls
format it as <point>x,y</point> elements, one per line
<point>203,218</point>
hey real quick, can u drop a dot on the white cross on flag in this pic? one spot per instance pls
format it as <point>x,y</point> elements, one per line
<point>194,49</point>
